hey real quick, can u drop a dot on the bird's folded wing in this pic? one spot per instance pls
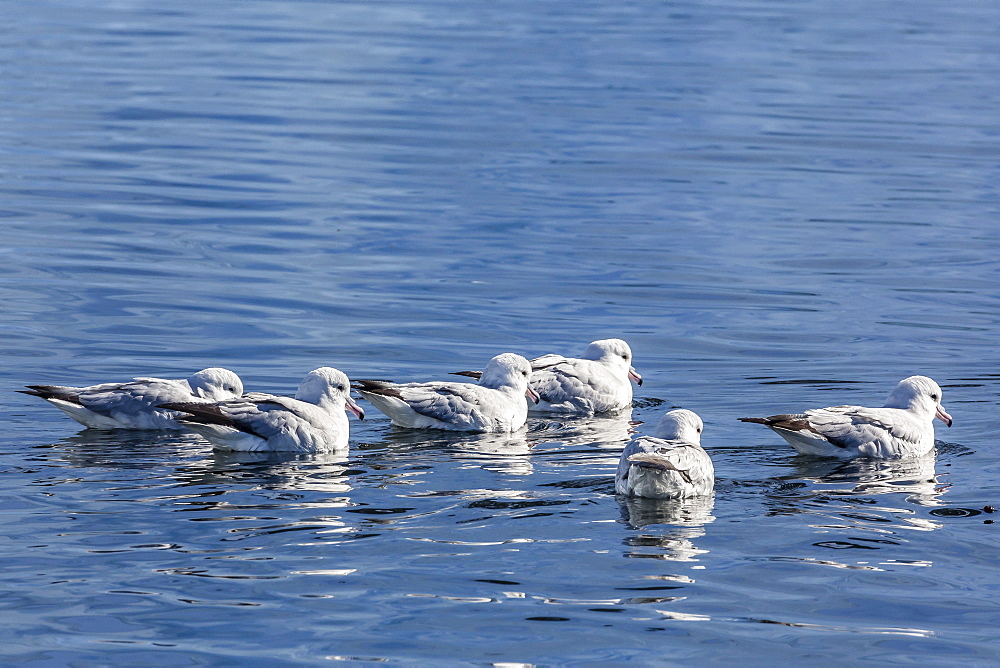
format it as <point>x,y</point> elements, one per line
<point>566,381</point>
<point>856,426</point>
<point>140,395</point>
<point>547,362</point>
<point>660,453</point>
<point>259,414</point>
<point>456,403</point>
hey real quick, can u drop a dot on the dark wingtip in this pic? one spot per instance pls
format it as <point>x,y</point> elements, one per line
<point>50,392</point>
<point>207,413</point>
<point>469,374</point>
<point>362,383</point>
<point>176,406</point>
<point>755,420</point>
<point>371,386</point>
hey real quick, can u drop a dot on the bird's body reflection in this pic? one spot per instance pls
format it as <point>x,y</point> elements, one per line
<point>681,522</point>
<point>691,512</point>
<point>608,431</point>
<point>504,453</point>
<point>914,476</point>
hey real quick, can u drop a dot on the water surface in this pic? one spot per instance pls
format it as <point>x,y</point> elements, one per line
<point>779,205</point>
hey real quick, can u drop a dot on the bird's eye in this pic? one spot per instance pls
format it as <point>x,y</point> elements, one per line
<point>624,357</point>
<point>699,430</point>
<point>934,397</point>
<point>524,373</point>
<point>340,388</point>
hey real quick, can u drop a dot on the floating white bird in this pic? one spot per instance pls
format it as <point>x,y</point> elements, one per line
<point>671,464</point>
<point>314,421</point>
<point>596,383</point>
<point>903,427</point>
<point>135,404</point>
<point>496,404</point>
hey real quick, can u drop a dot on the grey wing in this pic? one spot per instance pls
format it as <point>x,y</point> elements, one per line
<point>537,364</point>
<point>547,362</point>
<point>633,448</point>
<point>567,381</point>
<point>456,403</point>
<point>259,414</point>
<point>686,458</point>
<point>138,396</point>
<point>856,426</point>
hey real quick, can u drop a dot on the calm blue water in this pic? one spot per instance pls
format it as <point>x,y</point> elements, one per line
<point>778,204</point>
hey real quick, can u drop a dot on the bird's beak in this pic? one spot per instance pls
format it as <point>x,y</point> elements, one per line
<point>634,376</point>
<point>941,415</point>
<point>354,408</point>
<point>531,394</point>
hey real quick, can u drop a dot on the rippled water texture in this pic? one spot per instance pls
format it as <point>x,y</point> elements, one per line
<point>778,204</point>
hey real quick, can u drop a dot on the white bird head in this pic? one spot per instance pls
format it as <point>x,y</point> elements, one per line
<point>216,384</point>
<point>331,387</point>
<point>613,353</point>
<point>509,370</point>
<point>680,425</point>
<point>919,395</point>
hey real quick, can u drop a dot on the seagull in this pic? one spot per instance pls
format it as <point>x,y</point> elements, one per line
<point>903,427</point>
<point>671,464</point>
<point>494,405</point>
<point>596,383</point>
<point>314,421</point>
<point>136,404</point>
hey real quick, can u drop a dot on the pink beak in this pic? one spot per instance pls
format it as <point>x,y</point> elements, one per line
<point>634,376</point>
<point>354,408</point>
<point>531,394</point>
<point>941,415</point>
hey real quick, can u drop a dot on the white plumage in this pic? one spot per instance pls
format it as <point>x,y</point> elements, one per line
<point>597,382</point>
<point>496,404</point>
<point>903,427</point>
<point>671,464</point>
<point>314,421</point>
<point>136,404</point>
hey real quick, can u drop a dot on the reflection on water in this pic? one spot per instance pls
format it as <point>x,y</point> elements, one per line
<point>610,432</point>
<point>124,448</point>
<point>639,512</point>
<point>685,521</point>
<point>320,472</point>
<point>745,192</point>
<point>676,544</point>
<point>861,503</point>
<point>502,453</point>
<point>914,477</point>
